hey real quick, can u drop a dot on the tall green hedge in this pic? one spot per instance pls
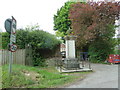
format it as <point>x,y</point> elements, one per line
<point>104,45</point>
<point>43,43</point>
<point>100,50</point>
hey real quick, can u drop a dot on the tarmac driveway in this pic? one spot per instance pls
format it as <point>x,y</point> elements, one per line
<point>104,76</point>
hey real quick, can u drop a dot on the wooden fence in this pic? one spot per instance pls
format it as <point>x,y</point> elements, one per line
<point>18,57</point>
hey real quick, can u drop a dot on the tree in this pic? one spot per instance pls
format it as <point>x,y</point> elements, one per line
<point>83,24</point>
<point>93,23</point>
<point>61,21</point>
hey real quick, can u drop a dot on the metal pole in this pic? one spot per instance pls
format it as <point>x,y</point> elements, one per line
<point>10,53</point>
<point>10,58</point>
<point>10,61</point>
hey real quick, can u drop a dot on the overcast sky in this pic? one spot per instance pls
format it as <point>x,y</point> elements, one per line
<point>30,12</point>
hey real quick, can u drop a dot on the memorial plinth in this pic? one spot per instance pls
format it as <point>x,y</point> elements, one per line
<point>70,61</point>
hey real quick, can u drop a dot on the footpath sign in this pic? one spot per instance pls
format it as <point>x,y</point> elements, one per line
<point>13,38</point>
<point>10,26</point>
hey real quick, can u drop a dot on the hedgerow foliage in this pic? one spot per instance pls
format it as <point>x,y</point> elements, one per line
<point>43,43</point>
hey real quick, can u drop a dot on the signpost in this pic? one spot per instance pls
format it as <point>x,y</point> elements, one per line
<point>10,26</point>
<point>13,30</point>
<point>8,23</point>
<point>13,38</point>
<point>13,48</point>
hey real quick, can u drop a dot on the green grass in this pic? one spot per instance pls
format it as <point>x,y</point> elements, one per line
<point>47,77</point>
<point>0,77</point>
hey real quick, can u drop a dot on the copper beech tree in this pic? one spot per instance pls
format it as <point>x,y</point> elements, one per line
<point>91,21</point>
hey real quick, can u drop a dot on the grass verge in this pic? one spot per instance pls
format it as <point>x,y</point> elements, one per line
<point>35,77</point>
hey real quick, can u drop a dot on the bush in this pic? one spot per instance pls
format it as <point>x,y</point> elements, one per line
<point>5,40</point>
<point>100,50</point>
<point>116,52</point>
<point>42,43</point>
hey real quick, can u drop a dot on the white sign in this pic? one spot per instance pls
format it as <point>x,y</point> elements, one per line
<point>13,48</point>
<point>13,30</point>
<point>13,26</point>
<point>13,38</point>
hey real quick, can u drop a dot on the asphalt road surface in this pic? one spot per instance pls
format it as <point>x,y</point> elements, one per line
<point>104,76</point>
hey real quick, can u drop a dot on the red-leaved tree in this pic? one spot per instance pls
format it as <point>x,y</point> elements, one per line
<point>90,21</point>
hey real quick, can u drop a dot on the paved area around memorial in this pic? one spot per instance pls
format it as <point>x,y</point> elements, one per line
<point>104,76</point>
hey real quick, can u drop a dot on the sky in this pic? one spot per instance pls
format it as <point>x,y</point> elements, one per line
<point>30,12</point>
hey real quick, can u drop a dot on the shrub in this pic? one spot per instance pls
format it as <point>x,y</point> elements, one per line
<point>42,43</point>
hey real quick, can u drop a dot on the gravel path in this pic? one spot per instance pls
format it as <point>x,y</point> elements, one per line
<point>104,76</point>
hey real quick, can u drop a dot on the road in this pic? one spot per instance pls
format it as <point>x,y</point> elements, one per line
<point>104,76</point>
